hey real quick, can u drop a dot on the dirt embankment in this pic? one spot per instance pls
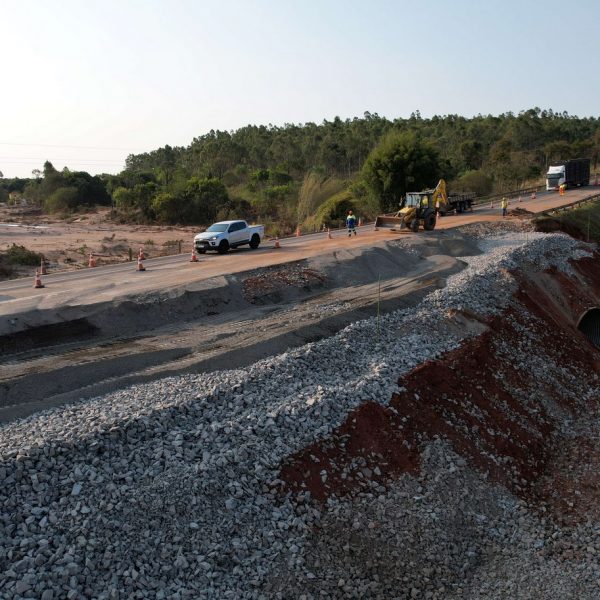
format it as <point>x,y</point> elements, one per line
<point>583,223</point>
<point>516,402</point>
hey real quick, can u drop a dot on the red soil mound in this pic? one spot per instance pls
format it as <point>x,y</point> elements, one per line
<point>499,400</point>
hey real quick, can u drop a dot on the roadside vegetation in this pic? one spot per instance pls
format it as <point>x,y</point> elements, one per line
<point>582,223</point>
<point>309,175</point>
<point>17,256</point>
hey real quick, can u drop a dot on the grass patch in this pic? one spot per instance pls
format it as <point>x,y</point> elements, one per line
<point>582,223</point>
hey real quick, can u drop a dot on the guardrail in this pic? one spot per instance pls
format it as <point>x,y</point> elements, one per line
<point>571,205</point>
<point>512,194</point>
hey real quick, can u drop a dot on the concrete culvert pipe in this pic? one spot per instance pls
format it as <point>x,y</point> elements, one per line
<point>589,325</point>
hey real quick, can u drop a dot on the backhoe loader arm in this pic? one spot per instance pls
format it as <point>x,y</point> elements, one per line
<point>440,194</point>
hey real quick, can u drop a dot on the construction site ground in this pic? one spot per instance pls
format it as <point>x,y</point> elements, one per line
<point>70,339</point>
<point>391,415</point>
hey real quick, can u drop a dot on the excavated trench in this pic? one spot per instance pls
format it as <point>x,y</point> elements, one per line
<point>226,322</point>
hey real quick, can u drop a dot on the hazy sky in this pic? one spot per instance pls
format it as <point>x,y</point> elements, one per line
<point>84,83</point>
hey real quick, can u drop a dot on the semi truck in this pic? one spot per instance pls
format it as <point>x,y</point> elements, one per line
<point>572,173</point>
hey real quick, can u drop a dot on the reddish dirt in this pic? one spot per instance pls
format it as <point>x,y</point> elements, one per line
<point>549,225</point>
<point>274,279</point>
<point>487,405</point>
<point>520,213</point>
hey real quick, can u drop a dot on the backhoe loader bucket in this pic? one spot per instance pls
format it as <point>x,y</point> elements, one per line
<point>388,222</point>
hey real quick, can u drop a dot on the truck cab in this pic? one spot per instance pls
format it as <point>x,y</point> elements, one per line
<point>570,173</point>
<point>555,177</point>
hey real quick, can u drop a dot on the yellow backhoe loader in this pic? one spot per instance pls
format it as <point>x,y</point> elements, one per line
<point>417,208</point>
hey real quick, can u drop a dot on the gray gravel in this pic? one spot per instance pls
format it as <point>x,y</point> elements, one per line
<point>170,489</point>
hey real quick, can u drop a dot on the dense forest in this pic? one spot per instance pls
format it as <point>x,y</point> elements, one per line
<point>310,174</point>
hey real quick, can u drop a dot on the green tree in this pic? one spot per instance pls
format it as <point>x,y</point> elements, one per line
<point>202,200</point>
<point>64,199</point>
<point>401,163</point>
<point>198,202</point>
<point>473,181</point>
<point>168,207</point>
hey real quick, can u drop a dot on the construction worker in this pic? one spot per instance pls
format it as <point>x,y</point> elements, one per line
<point>504,205</point>
<point>351,223</point>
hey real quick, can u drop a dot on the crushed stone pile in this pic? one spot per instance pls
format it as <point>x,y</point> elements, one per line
<point>182,488</point>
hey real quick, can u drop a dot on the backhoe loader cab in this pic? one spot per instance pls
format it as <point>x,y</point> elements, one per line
<point>416,208</point>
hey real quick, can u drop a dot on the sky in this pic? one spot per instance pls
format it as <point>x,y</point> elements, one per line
<point>84,83</point>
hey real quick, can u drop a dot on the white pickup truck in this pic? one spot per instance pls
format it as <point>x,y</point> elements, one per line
<point>229,234</point>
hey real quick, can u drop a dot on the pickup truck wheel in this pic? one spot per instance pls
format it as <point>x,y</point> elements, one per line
<point>223,247</point>
<point>254,242</point>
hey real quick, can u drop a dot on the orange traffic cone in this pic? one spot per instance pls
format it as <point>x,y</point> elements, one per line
<point>277,244</point>
<point>42,266</point>
<point>193,258</point>
<point>533,195</point>
<point>140,265</point>
<point>520,199</point>
<point>91,261</point>
<point>491,204</point>
<point>38,280</point>
<point>360,222</point>
<point>141,255</point>
<point>329,234</point>
<point>298,232</point>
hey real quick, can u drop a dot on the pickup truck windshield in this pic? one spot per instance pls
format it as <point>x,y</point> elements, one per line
<point>219,227</point>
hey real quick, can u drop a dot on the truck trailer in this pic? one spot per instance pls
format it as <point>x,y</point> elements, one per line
<point>572,173</point>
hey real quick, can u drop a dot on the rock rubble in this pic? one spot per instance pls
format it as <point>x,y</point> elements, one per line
<point>171,489</point>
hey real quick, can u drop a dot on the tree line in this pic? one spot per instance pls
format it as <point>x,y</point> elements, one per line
<point>311,173</point>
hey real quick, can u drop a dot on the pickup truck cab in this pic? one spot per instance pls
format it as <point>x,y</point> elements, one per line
<point>229,234</point>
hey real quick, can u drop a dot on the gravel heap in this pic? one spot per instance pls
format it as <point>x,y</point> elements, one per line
<point>170,489</point>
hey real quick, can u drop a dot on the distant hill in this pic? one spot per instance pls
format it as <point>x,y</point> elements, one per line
<point>310,174</point>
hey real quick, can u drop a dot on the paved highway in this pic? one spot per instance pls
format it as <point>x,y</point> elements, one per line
<point>106,283</point>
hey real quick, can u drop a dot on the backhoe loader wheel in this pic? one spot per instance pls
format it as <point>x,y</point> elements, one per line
<point>429,222</point>
<point>414,225</point>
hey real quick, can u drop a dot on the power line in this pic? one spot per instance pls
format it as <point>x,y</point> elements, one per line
<point>24,159</point>
<point>69,146</point>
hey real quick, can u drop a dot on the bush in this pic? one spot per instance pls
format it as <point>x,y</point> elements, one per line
<point>335,209</point>
<point>19,255</point>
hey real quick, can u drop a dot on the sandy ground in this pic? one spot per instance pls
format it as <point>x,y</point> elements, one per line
<point>225,323</point>
<point>66,244</point>
<point>119,280</point>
